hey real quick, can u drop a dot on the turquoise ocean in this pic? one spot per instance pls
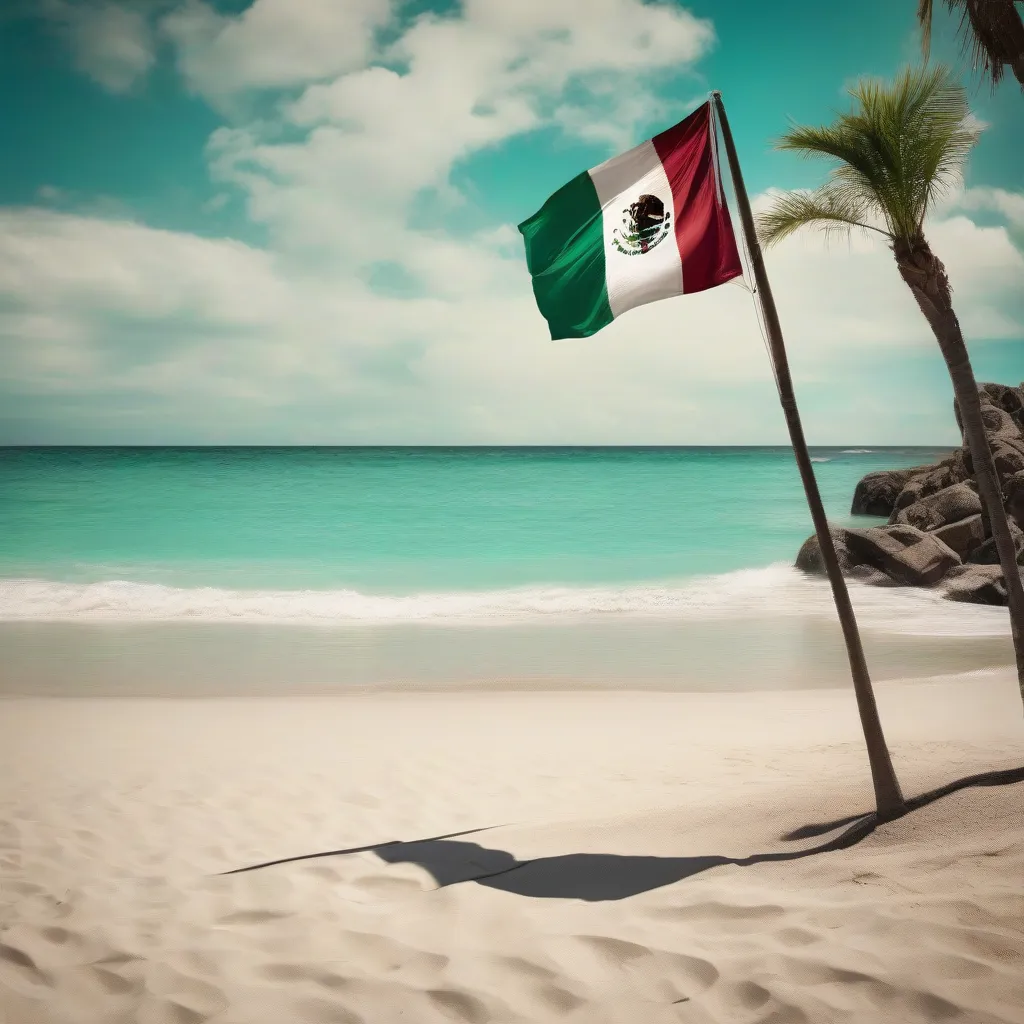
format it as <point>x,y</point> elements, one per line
<point>212,571</point>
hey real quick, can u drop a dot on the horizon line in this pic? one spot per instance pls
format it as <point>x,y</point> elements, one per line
<point>850,445</point>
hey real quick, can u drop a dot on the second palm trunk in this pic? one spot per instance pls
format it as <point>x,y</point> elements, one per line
<point>926,276</point>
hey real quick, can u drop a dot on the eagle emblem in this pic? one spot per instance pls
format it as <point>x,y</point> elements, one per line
<point>644,224</point>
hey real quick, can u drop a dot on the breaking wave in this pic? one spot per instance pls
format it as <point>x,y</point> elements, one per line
<point>775,591</point>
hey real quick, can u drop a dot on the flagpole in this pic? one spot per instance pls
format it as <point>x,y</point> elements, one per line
<point>888,797</point>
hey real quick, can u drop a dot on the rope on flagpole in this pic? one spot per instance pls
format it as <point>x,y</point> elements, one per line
<point>759,316</point>
<point>744,252</point>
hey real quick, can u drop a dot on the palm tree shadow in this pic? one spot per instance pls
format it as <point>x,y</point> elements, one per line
<point>603,877</point>
<point>597,877</point>
<point>582,876</point>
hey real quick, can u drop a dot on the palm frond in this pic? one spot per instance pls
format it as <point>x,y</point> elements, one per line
<point>992,33</point>
<point>856,175</point>
<point>924,18</point>
<point>900,147</point>
<point>826,208</point>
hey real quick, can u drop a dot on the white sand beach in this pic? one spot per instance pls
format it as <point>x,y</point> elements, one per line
<point>117,816</point>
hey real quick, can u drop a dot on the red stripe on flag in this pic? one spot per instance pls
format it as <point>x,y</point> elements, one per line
<point>704,232</point>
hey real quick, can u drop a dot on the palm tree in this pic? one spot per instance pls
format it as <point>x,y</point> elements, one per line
<point>899,149</point>
<point>992,30</point>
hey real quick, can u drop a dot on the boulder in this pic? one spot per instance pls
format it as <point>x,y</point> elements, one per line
<point>876,494</point>
<point>976,584</point>
<point>885,556</point>
<point>904,553</point>
<point>985,553</point>
<point>1008,455</point>
<point>949,505</point>
<point>809,556</point>
<point>1013,491</point>
<point>1008,451</point>
<point>956,466</point>
<point>930,480</point>
<point>1009,399</point>
<point>870,575</point>
<point>999,423</point>
<point>937,530</point>
<point>963,536</point>
<point>1002,409</point>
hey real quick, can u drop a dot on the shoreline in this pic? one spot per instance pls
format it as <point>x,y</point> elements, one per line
<point>751,654</point>
<point>505,687</point>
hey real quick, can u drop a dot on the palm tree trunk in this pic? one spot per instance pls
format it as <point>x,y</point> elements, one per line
<point>926,276</point>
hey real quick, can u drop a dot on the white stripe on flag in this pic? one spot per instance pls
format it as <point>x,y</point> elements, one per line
<point>634,279</point>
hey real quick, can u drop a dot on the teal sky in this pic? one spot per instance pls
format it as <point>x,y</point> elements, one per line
<point>293,223</point>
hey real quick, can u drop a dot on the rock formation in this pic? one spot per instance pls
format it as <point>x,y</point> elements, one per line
<point>937,534</point>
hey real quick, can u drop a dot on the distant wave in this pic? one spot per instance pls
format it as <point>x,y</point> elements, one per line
<point>856,451</point>
<point>820,458</point>
<point>776,591</point>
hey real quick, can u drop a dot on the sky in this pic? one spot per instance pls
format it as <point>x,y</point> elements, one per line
<point>294,222</point>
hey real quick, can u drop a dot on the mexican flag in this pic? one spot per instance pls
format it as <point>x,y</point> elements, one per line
<point>646,225</point>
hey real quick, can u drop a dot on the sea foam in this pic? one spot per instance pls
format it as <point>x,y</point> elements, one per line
<point>774,591</point>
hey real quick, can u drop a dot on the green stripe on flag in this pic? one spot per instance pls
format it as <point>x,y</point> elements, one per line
<point>565,256</point>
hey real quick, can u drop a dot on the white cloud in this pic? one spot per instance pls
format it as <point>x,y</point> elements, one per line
<point>293,339</point>
<point>1009,204</point>
<point>119,308</point>
<point>50,194</point>
<point>111,42</point>
<point>272,43</point>
<point>83,263</point>
<point>852,289</point>
<point>466,83</point>
<point>216,202</point>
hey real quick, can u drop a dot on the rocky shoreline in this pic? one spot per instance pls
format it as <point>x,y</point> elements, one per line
<point>937,535</point>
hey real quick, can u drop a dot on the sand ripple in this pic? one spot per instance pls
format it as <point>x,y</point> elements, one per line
<point>613,900</point>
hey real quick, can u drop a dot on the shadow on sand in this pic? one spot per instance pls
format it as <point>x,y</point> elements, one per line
<point>598,877</point>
